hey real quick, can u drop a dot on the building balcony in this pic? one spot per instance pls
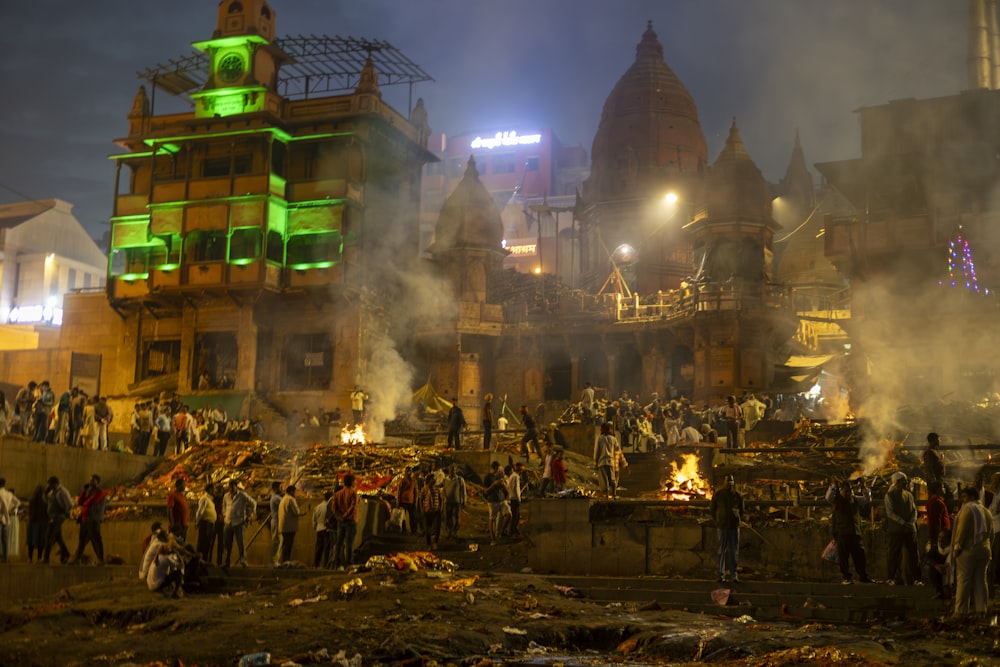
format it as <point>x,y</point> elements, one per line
<point>327,188</point>
<point>165,278</point>
<point>319,275</point>
<point>129,286</point>
<point>255,273</point>
<point>204,274</point>
<point>132,204</point>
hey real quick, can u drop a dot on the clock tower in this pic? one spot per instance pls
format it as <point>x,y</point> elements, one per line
<point>243,62</point>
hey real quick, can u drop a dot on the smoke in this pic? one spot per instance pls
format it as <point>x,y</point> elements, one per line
<point>914,354</point>
<point>389,380</point>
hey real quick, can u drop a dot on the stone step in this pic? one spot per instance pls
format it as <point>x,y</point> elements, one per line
<point>769,600</point>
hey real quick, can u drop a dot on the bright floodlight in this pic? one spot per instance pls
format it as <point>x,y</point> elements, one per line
<point>670,198</point>
<point>624,253</point>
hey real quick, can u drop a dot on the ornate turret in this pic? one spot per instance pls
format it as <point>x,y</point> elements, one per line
<point>368,81</point>
<point>735,188</point>
<point>139,114</point>
<point>243,61</point>
<point>734,238</point>
<point>469,217</point>
<point>649,130</point>
<point>467,239</point>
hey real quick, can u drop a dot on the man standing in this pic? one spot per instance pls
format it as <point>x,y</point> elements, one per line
<point>495,492</point>
<point>59,505</point>
<point>77,403</point>
<point>970,549</point>
<point>406,497</point>
<point>102,417</point>
<point>321,555</point>
<point>732,415</point>
<point>358,398</point>
<point>727,512</point>
<point>275,505</point>
<point>236,507</point>
<point>587,403</point>
<point>604,450</point>
<point>43,408</point>
<point>456,422</point>
<point>487,421</point>
<point>514,497</point>
<point>847,526</point>
<point>288,522</point>
<point>92,503</point>
<point>933,460</point>
<point>204,518</point>
<point>345,509</point>
<point>163,428</point>
<point>901,517</point>
<point>177,512</point>
<point>455,496</point>
<point>530,434</point>
<point>431,501</point>
<point>8,514</point>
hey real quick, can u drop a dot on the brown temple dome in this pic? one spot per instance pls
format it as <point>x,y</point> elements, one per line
<point>649,131</point>
<point>735,188</point>
<point>469,217</point>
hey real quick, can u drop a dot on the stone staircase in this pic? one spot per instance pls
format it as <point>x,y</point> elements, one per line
<point>768,600</point>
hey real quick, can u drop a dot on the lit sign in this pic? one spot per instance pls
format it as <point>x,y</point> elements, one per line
<point>507,139</point>
<point>35,315</point>
<point>529,249</point>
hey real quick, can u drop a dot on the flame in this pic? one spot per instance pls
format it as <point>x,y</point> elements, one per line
<point>684,480</point>
<point>355,436</point>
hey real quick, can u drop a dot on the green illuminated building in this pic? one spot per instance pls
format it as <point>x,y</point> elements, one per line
<point>247,231</point>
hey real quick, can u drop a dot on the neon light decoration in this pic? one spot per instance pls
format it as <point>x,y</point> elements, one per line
<point>961,268</point>
<point>511,138</point>
<point>35,315</point>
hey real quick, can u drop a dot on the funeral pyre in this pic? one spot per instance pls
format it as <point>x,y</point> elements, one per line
<point>317,467</point>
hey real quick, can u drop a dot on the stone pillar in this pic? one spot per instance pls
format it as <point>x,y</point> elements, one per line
<point>612,376</point>
<point>246,345</point>
<point>189,317</point>
<point>574,376</point>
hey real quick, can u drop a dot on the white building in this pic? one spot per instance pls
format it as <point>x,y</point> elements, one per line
<point>44,253</point>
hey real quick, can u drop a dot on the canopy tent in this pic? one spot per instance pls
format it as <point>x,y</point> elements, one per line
<point>799,372</point>
<point>430,399</point>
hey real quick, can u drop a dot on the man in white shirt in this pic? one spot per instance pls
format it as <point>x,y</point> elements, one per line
<point>513,480</point>
<point>8,516</point>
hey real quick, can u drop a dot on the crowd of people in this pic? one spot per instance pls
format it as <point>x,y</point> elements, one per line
<point>75,419</point>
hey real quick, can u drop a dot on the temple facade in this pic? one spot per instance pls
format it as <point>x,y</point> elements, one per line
<point>674,290</point>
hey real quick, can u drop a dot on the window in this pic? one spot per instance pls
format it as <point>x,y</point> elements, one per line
<point>455,167</point>
<point>71,279</point>
<point>531,164</point>
<point>168,253</point>
<point>215,360</point>
<point>275,247</point>
<point>244,244</point>
<point>312,249</point>
<point>127,261</point>
<point>308,362</point>
<point>503,164</point>
<point>206,246</point>
<point>160,357</point>
<point>218,167</point>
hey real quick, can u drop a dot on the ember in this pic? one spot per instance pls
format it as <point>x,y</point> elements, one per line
<point>685,482</point>
<point>355,436</point>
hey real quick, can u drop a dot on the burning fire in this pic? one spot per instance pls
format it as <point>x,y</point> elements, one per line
<point>684,481</point>
<point>355,436</point>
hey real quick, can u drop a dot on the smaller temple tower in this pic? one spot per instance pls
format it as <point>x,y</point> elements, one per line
<point>732,239</point>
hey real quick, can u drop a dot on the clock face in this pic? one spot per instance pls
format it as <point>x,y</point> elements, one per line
<point>230,68</point>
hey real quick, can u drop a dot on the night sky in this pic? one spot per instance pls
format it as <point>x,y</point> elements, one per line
<point>68,70</point>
